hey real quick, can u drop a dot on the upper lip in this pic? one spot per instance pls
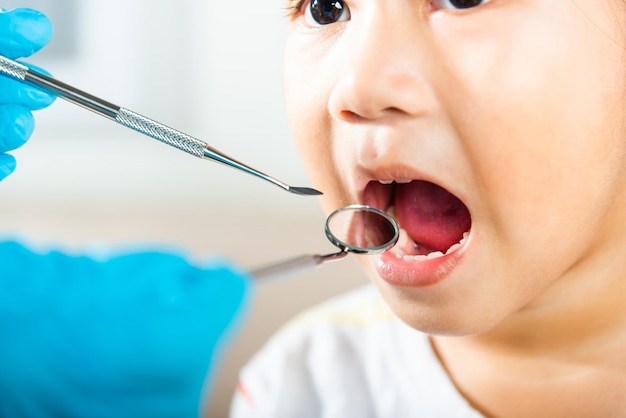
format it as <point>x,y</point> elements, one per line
<point>401,153</point>
<point>398,173</point>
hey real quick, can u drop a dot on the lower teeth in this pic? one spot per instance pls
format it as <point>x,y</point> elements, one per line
<point>405,240</point>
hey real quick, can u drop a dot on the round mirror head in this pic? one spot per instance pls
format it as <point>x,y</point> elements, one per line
<point>362,229</point>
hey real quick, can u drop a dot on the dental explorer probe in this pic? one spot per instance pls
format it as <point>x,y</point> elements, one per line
<point>136,121</point>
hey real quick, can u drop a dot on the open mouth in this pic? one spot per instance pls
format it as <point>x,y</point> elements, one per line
<point>433,221</point>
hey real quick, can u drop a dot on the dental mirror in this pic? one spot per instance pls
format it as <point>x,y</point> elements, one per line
<point>357,229</point>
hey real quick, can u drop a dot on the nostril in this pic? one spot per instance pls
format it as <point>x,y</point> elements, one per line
<point>349,116</point>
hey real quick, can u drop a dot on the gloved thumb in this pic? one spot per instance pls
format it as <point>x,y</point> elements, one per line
<point>23,32</point>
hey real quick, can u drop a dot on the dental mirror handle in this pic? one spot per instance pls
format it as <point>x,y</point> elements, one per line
<point>136,122</point>
<point>294,266</point>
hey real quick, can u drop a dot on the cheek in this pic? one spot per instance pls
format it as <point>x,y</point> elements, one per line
<point>549,184</point>
<point>310,125</point>
<point>546,145</point>
<point>544,140</point>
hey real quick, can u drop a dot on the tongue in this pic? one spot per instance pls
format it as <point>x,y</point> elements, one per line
<point>433,217</point>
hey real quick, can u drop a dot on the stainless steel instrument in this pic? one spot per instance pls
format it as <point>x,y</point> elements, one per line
<point>136,122</point>
<point>357,229</point>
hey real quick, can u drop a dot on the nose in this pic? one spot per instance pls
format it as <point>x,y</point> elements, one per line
<point>383,69</point>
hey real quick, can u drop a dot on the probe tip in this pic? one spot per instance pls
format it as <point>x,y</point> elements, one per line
<point>304,191</point>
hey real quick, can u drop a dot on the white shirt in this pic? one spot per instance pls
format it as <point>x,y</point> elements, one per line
<point>349,357</point>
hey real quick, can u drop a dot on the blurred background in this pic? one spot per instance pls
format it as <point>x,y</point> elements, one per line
<point>212,69</point>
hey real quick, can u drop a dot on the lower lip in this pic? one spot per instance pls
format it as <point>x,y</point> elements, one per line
<point>405,273</point>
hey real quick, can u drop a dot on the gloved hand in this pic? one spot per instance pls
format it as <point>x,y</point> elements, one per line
<point>129,336</point>
<point>22,33</point>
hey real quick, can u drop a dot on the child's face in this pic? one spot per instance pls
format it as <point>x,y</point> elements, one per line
<point>507,118</point>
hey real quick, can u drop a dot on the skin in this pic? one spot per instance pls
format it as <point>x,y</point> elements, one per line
<point>517,108</point>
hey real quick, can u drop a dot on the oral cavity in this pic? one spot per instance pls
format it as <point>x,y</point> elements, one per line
<point>433,221</point>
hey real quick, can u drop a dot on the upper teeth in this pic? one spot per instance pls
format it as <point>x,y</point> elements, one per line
<point>399,181</point>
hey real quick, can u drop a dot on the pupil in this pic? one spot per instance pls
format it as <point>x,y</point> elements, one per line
<point>465,4</point>
<point>326,12</point>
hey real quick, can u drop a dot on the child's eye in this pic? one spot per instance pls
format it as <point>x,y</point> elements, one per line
<point>456,4</point>
<point>325,12</point>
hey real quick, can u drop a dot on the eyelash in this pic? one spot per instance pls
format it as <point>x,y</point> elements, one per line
<point>295,8</point>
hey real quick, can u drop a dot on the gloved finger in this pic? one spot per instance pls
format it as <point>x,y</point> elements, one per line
<point>7,165</point>
<point>188,307</point>
<point>224,289</point>
<point>16,126</point>
<point>14,91</point>
<point>23,32</point>
<point>211,303</point>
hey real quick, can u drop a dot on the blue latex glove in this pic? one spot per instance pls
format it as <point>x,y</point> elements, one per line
<point>22,32</point>
<point>131,336</point>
